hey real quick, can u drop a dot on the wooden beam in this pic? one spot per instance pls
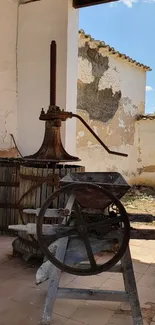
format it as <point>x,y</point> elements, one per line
<point>85,3</point>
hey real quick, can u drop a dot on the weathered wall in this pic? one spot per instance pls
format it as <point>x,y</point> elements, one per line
<point>144,141</point>
<point>110,94</point>
<point>41,22</point>
<point>8,96</point>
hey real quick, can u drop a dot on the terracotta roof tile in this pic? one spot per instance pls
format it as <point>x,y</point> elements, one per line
<point>145,117</point>
<point>101,44</point>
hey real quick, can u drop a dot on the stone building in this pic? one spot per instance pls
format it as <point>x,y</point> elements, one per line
<point>111,94</point>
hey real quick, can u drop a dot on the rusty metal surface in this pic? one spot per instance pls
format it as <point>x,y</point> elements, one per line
<point>91,197</point>
<point>55,113</point>
<point>53,56</point>
<point>52,148</point>
<point>82,229</point>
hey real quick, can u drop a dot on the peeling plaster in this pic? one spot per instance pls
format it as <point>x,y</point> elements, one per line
<point>95,129</point>
<point>85,71</point>
<point>97,93</point>
<point>129,108</point>
<point>110,79</point>
<point>89,143</point>
<point>121,123</point>
<point>81,134</point>
<point>98,62</point>
<point>101,105</point>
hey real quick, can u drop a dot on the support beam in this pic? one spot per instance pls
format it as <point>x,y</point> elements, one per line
<point>8,77</point>
<point>87,294</point>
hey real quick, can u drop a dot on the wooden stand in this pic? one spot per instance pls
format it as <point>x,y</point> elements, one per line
<point>129,295</point>
<point>47,271</point>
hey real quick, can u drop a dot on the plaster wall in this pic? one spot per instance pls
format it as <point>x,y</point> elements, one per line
<point>39,23</point>
<point>111,92</point>
<point>145,133</point>
<point>8,95</point>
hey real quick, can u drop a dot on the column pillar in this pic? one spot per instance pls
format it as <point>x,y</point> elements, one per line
<point>40,22</point>
<point>8,95</point>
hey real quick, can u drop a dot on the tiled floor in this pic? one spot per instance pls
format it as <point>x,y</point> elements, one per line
<point>21,301</point>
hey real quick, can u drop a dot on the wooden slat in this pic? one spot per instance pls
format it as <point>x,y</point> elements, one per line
<point>9,206</point>
<point>9,184</point>
<point>50,213</point>
<point>30,228</point>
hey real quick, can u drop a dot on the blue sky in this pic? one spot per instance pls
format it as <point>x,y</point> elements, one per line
<point>128,26</point>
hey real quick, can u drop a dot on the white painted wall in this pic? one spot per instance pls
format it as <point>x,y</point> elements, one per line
<point>144,140</point>
<point>8,100</point>
<point>39,23</point>
<point>126,77</point>
<point>118,133</point>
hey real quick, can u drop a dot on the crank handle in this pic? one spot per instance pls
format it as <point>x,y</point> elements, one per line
<point>97,138</point>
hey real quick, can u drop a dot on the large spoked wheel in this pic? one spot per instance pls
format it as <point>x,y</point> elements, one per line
<point>75,225</point>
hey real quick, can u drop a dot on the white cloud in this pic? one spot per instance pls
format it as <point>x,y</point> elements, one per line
<point>129,3</point>
<point>149,88</point>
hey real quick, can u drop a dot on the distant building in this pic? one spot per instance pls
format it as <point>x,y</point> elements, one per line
<point>111,93</point>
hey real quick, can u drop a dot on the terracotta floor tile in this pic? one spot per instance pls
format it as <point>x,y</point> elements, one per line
<point>146,295</point>
<point>76,285</point>
<point>140,267</point>
<point>92,316</point>
<point>29,295</point>
<point>142,250</point>
<point>113,285</point>
<point>136,242</point>
<point>147,281</point>
<point>72,322</point>
<point>120,320</point>
<point>58,320</point>
<point>149,244</point>
<point>36,319</point>
<point>15,313</point>
<point>6,272</point>
<point>93,282</point>
<point>66,308</point>
<point>66,279</point>
<point>143,258</point>
<point>119,276</point>
<point>151,270</point>
<point>111,305</point>
<point>21,301</point>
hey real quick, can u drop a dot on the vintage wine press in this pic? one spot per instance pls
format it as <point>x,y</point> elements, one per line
<point>90,222</point>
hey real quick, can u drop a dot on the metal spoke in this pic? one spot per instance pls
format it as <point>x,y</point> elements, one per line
<point>89,252</point>
<point>80,222</point>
